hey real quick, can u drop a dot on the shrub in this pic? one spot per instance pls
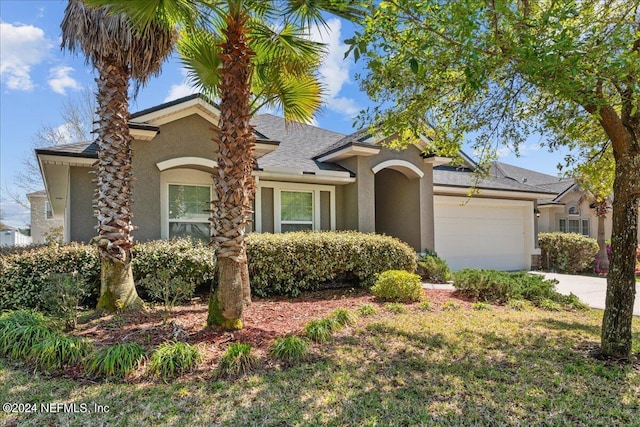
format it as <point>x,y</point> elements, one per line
<point>344,317</point>
<point>237,360</point>
<point>567,252</point>
<point>173,358</point>
<point>117,360</point>
<point>20,330</point>
<point>168,288</point>
<point>433,268</point>
<point>26,274</point>
<point>398,285</point>
<point>450,306</point>
<point>367,310</point>
<point>519,304</point>
<point>289,263</point>
<point>395,307</point>
<point>571,301</point>
<point>59,351</point>
<point>549,305</point>
<point>62,296</point>
<point>289,349</point>
<point>500,287</point>
<point>425,306</point>
<point>480,306</point>
<point>318,330</point>
<point>191,260</point>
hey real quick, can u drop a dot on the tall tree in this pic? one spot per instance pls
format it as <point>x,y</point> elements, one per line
<point>501,69</point>
<point>119,52</point>
<point>234,51</point>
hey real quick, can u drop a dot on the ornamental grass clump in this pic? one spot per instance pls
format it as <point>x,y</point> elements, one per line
<point>367,310</point>
<point>59,351</point>
<point>173,358</point>
<point>344,317</point>
<point>318,330</point>
<point>398,286</point>
<point>237,360</point>
<point>289,349</point>
<point>116,361</point>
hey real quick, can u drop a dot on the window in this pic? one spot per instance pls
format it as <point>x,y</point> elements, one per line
<point>48,212</point>
<point>188,206</point>
<point>573,211</point>
<point>296,210</point>
<point>579,226</point>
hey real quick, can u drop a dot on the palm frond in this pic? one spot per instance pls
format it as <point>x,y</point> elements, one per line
<point>100,34</point>
<point>309,13</point>
<point>200,54</point>
<point>299,97</point>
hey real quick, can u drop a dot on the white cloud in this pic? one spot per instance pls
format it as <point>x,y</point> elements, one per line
<point>334,71</point>
<point>60,80</point>
<point>21,48</point>
<point>180,90</point>
<point>66,134</point>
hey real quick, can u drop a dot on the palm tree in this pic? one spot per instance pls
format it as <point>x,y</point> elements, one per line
<point>119,52</point>
<point>234,52</point>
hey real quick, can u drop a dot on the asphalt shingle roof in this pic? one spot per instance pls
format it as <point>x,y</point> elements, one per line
<point>299,144</point>
<point>451,176</point>
<point>86,149</point>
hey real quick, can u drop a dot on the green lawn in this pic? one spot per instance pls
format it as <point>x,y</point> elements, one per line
<point>458,367</point>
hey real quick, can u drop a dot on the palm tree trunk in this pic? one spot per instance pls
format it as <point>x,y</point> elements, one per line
<point>113,192</point>
<point>233,180</point>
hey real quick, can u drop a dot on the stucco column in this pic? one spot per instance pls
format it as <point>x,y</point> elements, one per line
<point>366,196</point>
<point>427,228</point>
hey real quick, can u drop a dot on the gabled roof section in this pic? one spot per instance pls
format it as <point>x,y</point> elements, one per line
<point>300,144</point>
<point>86,149</point>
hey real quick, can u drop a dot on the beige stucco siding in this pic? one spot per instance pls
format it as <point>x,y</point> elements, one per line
<point>187,137</point>
<point>359,210</point>
<point>398,206</point>
<point>82,223</point>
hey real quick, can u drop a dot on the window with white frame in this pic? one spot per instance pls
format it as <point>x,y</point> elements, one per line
<point>188,216</point>
<point>579,226</point>
<point>48,212</point>
<point>296,211</point>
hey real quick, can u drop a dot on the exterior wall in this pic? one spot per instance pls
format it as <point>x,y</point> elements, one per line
<point>41,227</point>
<point>397,201</point>
<point>82,222</point>
<point>359,209</point>
<point>187,137</point>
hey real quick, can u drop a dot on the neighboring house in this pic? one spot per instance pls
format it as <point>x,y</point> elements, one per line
<point>307,178</point>
<point>44,227</point>
<point>13,237</point>
<point>570,211</point>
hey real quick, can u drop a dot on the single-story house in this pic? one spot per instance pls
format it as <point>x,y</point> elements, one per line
<point>307,179</point>
<point>572,210</point>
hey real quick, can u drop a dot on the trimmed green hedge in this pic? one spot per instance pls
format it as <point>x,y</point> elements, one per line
<point>283,264</point>
<point>286,264</point>
<point>25,274</point>
<point>567,252</point>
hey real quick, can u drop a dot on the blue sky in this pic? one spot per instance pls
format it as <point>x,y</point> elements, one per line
<point>36,77</point>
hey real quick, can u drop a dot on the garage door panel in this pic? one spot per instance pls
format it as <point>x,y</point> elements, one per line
<point>477,236</point>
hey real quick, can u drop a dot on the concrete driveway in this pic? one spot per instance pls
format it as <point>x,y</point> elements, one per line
<point>591,290</point>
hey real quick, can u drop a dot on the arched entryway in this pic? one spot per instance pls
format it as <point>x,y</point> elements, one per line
<point>397,201</point>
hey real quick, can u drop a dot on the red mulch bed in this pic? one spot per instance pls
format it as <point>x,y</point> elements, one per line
<point>265,320</point>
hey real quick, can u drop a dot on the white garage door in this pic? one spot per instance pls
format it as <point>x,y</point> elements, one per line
<point>482,233</point>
